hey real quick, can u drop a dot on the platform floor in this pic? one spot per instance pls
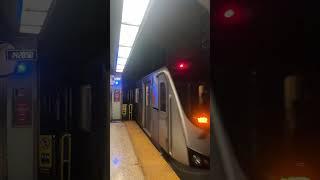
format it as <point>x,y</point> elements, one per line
<point>124,164</point>
<point>133,156</point>
<point>154,166</point>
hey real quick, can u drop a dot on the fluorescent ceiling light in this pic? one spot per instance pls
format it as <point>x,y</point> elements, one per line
<point>42,5</point>
<point>122,61</point>
<point>128,34</point>
<point>33,15</point>
<point>120,66</point>
<point>33,18</point>
<point>124,52</point>
<point>133,11</point>
<point>120,69</point>
<point>30,29</point>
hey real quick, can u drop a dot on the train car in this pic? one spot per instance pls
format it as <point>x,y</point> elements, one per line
<point>174,112</point>
<point>170,93</point>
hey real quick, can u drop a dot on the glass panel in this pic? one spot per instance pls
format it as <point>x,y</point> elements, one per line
<point>163,97</point>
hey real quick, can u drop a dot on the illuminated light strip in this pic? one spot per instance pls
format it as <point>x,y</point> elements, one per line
<point>33,16</point>
<point>119,70</point>
<point>121,61</point>
<point>133,12</point>
<point>128,35</point>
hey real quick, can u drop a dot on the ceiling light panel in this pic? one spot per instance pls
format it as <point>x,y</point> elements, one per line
<point>36,5</point>
<point>124,52</point>
<point>128,35</point>
<point>120,66</point>
<point>33,18</point>
<point>122,61</point>
<point>133,11</point>
<point>30,29</point>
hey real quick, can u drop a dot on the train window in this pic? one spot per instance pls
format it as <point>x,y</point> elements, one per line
<point>203,95</point>
<point>128,96</point>
<point>132,96</point>
<point>194,98</point>
<point>163,97</point>
<point>147,95</point>
<point>136,95</point>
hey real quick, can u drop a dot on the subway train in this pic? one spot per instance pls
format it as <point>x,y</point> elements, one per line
<point>174,113</point>
<point>168,85</point>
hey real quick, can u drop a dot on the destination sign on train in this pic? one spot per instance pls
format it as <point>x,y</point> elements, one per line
<point>21,55</point>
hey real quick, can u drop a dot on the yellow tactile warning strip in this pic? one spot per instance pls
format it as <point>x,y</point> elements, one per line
<point>154,166</point>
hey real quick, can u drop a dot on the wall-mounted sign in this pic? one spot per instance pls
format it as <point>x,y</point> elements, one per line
<point>45,151</point>
<point>124,109</point>
<point>22,108</point>
<point>117,95</point>
<point>21,55</point>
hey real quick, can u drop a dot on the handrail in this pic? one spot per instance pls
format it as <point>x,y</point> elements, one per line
<point>64,161</point>
<point>170,125</point>
<point>130,111</point>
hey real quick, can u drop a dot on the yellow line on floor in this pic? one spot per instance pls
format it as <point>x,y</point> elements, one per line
<point>154,166</point>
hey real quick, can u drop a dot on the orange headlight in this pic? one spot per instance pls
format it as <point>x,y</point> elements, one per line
<point>202,120</point>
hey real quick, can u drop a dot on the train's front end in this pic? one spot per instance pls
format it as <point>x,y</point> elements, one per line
<point>191,81</point>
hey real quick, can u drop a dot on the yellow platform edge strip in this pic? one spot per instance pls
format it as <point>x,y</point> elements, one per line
<point>154,166</point>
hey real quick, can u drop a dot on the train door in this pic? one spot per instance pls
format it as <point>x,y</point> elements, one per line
<point>148,107</point>
<point>163,112</point>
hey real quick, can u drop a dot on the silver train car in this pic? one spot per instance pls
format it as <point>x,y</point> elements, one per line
<point>175,115</point>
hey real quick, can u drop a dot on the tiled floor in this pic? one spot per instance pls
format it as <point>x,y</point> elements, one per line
<point>133,156</point>
<point>154,166</point>
<point>124,164</point>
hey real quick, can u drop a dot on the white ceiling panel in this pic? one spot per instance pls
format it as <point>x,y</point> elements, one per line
<point>122,61</point>
<point>30,29</point>
<point>133,11</point>
<point>33,18</point>
<point>128,35</point>
<point>124,52</point>
<point>38,5</point>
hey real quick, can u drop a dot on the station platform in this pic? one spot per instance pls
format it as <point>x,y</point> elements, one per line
<point>133,156</point>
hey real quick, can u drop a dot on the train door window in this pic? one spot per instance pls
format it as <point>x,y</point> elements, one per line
<point>163,97</point>
<point>147,95</point>
<point>132,96</point>
<point>127,96</point>
<point>203,95</point>
<point>136,95</point>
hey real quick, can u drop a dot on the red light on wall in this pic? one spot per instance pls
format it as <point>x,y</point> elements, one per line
<point>232,13</point>
<point>182,66</point>
<point>229,13</point>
